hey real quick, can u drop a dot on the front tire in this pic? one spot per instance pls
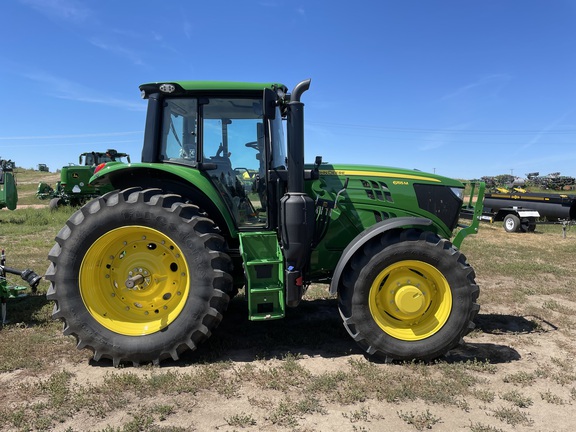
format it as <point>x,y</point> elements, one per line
<point>139,276</point>
<point>408,295</point>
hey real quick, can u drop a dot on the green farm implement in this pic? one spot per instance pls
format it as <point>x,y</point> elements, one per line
<point>8,192</point>
<point>9,291</point>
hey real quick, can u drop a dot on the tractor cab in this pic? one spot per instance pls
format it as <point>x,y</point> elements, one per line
<point>228,138</point>
<point>95,158</point>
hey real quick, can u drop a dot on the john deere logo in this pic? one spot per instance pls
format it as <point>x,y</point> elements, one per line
<point>74,175</point>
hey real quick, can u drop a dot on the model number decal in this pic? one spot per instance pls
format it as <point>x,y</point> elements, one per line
<point>328,172</point>
<point>331,172</point>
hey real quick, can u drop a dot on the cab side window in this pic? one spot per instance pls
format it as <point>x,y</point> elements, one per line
<point>179,141</point>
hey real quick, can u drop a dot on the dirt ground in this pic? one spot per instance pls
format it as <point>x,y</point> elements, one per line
<point>512,343</point>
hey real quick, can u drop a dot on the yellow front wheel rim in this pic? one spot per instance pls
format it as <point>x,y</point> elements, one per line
<point>410,300</point>
<point>134,280</point>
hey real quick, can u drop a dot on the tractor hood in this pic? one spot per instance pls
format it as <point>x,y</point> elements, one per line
<point>371,194</point>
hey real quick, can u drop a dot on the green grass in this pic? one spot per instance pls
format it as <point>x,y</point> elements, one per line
<point>27,235</point>
<point>420,420</point>
<point>512,416</point>
<point>241,420</point>
<point>517,399</point>
<point>521,378</point>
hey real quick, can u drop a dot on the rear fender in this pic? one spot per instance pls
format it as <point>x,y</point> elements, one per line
<point>374,231</point>
<point>189,183</point>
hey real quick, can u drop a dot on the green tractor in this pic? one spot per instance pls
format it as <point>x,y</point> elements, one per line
<point>74,189</point>
<point>8,192</point>
<point>146,271</point>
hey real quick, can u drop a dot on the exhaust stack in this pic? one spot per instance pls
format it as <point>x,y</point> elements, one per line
<point>297,220</point>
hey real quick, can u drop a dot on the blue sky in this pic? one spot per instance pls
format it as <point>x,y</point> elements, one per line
<point>461,88</point>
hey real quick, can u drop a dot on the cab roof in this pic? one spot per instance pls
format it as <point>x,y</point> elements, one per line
<point>182,87</point>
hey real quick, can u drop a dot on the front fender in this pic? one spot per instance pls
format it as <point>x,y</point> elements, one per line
<point>367,235</point>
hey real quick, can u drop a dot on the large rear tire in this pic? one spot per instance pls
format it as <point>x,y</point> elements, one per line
<point>408,295</point>
<point>139,276</point>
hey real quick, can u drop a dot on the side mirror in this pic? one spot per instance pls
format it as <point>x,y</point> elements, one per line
<point>269,104</point>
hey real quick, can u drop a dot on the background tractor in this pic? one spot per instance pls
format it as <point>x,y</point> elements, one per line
<point>222,202</point>
<point>8,192</point>
<point>74,189</point>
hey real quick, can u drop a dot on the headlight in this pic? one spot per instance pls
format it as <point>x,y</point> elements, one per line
<point>459,192</point>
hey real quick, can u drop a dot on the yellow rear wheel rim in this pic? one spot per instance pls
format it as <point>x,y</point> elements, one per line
<point>134,280</point>
<point>410,300</point>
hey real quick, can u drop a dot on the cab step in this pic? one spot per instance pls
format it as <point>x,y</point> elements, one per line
<point>264,271</point>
